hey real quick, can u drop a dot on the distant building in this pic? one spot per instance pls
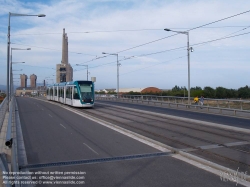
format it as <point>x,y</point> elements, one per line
<point>23,78</point>
<point>64,71</point>
<point>127,90</point>
<point>33,78</point>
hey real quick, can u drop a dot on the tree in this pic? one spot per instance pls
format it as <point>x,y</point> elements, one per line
<point>220,92</point>
<point>244,92</point>
<point>209,92</point>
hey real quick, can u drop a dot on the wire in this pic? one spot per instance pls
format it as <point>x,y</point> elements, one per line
<point>154,65</point>
<point>52,49</point>
<point>126,30</point>
<point>178,33</point>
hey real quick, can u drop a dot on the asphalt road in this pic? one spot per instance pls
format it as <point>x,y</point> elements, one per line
<point>226,120</point>
<point>53,134</point>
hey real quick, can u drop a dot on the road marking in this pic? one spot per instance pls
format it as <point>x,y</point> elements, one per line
<point>63,126</point>
<point>90,148</point>
<point>180,155</point>
<point>42,108</point>
<point>50,115</point>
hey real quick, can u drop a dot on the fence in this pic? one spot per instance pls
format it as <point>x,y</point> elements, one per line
<point>223,106</point>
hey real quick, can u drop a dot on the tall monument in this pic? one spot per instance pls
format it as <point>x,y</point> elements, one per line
<point>23,78</point>
<point>33,78</point>
<point>64,71</point>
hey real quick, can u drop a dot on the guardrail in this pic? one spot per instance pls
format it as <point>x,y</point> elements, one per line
<point>221,106</point>
<point>3,109</point>
<point>10,142</point>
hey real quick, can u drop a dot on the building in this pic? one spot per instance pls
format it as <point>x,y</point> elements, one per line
<point>64,71</point>
<point>138,90</point>
<point>33,78</point>
<point>23,78</point>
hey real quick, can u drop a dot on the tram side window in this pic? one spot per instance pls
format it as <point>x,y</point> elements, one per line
<point>55,91</point>
<point>67,92</point>
<point>59,90</point>
<point>76,95</point>
<point>48,91</point>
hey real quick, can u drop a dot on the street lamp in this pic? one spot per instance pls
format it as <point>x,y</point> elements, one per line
<point>11,76</point>
<point>188,52</point>
<point>8,48</point>
<point>87,70</point>
<point>117,70</point>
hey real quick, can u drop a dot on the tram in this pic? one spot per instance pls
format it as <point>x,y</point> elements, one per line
<point>75,93</point>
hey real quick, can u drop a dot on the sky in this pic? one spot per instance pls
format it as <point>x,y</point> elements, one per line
<point>148,55</point>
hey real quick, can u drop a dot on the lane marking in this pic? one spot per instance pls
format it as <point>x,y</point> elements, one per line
<point>50,115</point>
<point>180,155</point>
<point>90,148</point>
<point>63,126</point>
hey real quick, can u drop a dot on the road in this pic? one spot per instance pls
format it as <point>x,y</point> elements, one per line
<point>53,134</point>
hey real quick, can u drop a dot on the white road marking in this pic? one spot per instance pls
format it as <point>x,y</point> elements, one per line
<point>90,148</point>
<point>50,115</point>
<point>63,126</point>
<point>186,157</point>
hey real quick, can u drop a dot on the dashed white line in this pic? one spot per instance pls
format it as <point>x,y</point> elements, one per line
<point>90,148</point>
<point>63,126</point>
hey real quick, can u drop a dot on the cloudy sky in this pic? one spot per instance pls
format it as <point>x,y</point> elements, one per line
<point>149,56</point>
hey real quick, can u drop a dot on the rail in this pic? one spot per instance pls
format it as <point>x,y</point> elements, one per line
<point>10,142</point>
<point>221,106</point>
<point>3,109</point>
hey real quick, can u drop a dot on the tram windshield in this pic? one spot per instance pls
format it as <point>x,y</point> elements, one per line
<point>86,91</point>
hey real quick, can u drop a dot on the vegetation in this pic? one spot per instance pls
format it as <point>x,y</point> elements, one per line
<point>207,92</point>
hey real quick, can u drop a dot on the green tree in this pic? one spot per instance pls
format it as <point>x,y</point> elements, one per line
<point>220,92</point>
<point>209,92</point>
<point>244,92</point>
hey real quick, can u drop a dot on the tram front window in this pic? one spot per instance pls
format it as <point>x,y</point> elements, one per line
<point>86,92</point>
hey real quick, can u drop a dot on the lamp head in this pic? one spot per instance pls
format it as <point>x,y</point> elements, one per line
<point>41,15</point>
<point>167,29</point>
<point>103,53</point>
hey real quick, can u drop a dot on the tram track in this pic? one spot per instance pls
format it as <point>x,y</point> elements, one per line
<point>207,154</point>
<point>179,123</point>
<point>171,141</point>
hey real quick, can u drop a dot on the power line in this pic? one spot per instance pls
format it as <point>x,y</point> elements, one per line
<point>125,30</point>
<point>154,65</point>
<point>52,49</point>
<point>226,37</point>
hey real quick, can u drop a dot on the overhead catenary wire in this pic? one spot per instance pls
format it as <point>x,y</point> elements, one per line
<point>200,43</point>
<point>187,30</point>
<point>125,30</point>
<point>154,65</point>
<point>172,35</point>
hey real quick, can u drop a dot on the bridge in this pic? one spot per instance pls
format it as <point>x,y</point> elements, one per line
<point>128,141</point>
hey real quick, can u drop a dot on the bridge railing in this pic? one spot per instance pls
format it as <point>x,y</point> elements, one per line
<point>236,107</point>
<point>3,109</point>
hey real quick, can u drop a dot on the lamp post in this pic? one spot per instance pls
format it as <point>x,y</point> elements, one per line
<point>8,48</point>
<point>117,70</point>
<point>188,52</point>
<point>11,74</point>
<point>87,70</point>
<point>11,78</point>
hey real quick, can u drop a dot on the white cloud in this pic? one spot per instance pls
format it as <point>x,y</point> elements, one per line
<point>82,16</point>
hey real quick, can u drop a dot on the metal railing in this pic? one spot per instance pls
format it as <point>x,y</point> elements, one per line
<point>234,107</point>
<point>3,109</point>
